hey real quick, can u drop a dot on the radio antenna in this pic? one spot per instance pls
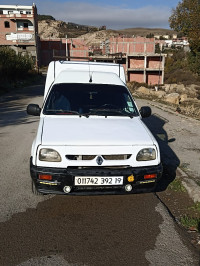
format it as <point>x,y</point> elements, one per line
<point>90,74</point>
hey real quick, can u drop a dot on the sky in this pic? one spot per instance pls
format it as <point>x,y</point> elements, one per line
<point>115,14</point>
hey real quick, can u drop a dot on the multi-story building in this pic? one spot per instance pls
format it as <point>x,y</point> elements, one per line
<point>140,61</point>
<point>19,29</point>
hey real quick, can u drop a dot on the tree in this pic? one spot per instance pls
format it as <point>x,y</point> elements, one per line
<point>185,19</point>
<point>45,17</point>
<point>157,48</point>
<point>150,35</point>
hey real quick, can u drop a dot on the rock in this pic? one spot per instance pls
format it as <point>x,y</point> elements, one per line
<point>143,90</point>
<point>191,91</point>
<point>171,88</point>
<point>160,94</point>
<point>183,98</point>
<point>192,100</point>
<point>167,87</point>
<point>172,98</point>
<point>180,88</point>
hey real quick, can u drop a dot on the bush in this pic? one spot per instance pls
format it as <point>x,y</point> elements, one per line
<point>194,62</point>
<point>45,17</point>
<point>181,67</point>
<point>13,66</point>
<point>181,76</point>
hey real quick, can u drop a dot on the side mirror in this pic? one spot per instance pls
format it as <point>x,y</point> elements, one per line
<point>33,109</point>
<point>145,111</point>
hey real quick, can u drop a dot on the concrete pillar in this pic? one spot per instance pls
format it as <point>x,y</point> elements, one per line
<point>145,66</point>
<point>127,58</point>
<point>163,67</point>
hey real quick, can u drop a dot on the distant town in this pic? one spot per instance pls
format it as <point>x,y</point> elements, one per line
<point>142,57</point>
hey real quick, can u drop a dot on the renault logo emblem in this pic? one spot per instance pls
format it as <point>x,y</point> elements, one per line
<point>99,160</point>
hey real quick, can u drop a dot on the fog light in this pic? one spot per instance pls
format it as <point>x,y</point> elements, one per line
<point>128,188</point>
<point>67,189</point>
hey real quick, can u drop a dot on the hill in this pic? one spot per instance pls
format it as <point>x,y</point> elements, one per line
<point>145,31</point>
<point>51,28</point>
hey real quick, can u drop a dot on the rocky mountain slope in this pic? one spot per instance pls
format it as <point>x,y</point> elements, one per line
<point>52,28</point>
<point>59,29</point>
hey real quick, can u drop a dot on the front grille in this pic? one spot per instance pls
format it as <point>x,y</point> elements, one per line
<point>99,171</point>
<point>88,157</point>
<point>117,157</point>
<point>92,157</point>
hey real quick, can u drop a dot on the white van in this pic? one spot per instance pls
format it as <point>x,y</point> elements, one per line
<point>91,138</point>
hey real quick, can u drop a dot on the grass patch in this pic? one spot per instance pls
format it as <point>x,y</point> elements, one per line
<point>189,222</point>
<point>196,207</point>
<point>177,186</point>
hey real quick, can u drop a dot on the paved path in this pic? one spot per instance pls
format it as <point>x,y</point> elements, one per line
<point>178,136</point>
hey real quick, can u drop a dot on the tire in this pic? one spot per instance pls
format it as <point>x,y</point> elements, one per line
<point>34,189</point>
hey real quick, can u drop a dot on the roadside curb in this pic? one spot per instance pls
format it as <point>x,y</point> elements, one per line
<point>190,185</point>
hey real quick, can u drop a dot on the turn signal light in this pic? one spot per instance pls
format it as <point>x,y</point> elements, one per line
<point>150,176</point>
<point>45,177</point>
<point>131,178</point>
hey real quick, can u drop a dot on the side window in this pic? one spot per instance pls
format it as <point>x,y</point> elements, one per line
<point>7,24</point>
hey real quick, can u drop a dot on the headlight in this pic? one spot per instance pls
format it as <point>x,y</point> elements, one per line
<point>147,154</point>
<point>49,155</point>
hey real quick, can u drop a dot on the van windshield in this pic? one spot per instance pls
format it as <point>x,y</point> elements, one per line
<point>89,99</point>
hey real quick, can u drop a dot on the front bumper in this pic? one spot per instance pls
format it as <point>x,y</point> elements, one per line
<point>62,177</point>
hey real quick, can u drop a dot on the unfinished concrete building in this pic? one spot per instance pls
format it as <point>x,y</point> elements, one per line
<point>142,65</point>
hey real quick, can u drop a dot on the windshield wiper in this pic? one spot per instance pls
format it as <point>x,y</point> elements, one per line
<point>62,112</point>
<point>107,112</point>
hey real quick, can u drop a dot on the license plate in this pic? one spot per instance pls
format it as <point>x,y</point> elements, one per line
<point>98,180</point>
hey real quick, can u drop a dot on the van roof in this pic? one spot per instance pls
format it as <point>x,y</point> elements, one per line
<point>72,76</point>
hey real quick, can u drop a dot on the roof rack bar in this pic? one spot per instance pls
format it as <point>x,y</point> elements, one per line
<point>88,58</point>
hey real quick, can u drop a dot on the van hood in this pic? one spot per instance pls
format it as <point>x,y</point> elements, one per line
<point>95,131</point>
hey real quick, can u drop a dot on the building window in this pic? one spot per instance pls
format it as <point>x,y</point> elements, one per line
<point>7,24</point>
<point>25,25</point>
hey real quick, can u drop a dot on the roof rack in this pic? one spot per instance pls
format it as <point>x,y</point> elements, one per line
<point>114,57</point>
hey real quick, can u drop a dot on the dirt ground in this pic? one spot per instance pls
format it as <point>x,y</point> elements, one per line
<point>179,205</point>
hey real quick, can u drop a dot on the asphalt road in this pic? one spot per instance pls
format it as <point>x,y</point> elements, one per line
<point>84,230</point>
<point>178,137</point>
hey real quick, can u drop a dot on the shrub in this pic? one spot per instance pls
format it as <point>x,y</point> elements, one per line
<point>13,66</point>
<point>180,68</point>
